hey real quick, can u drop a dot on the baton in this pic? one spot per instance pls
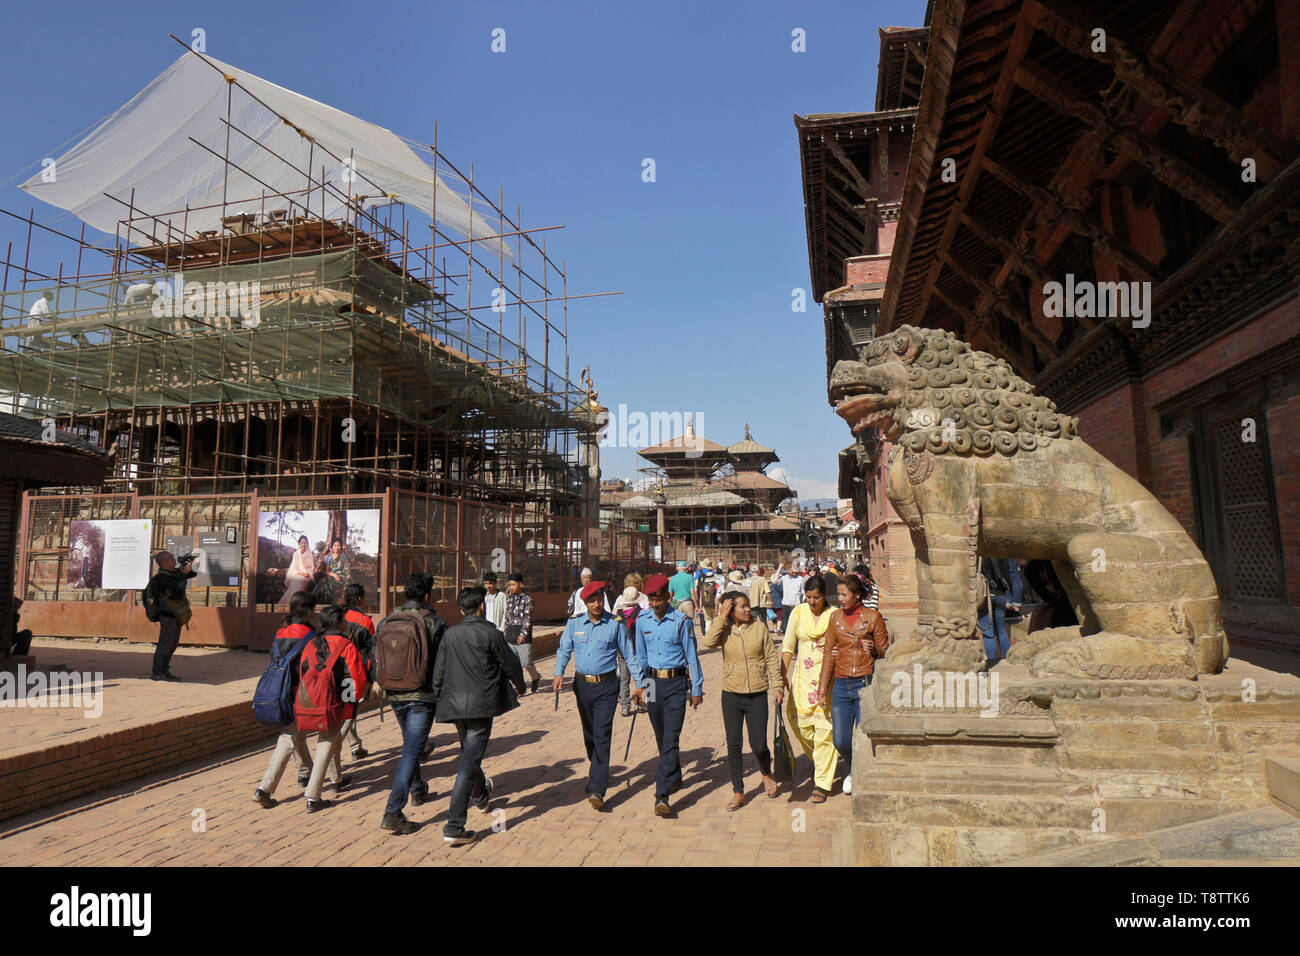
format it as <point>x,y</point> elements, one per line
<point>557,700</point>
<point>628,748</point>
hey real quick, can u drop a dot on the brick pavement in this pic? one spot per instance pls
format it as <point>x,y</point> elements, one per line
<point>537,761</point>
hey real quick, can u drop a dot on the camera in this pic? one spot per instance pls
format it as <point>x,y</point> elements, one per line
<point>184,559</point>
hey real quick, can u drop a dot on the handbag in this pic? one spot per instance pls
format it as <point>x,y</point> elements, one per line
<point>512,633</point>
<point>782,752</point>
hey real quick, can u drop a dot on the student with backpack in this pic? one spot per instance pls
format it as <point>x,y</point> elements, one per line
<point>273,701</point>
<point>331,679</point>
<point>360,630</point>
<point>406,648</point>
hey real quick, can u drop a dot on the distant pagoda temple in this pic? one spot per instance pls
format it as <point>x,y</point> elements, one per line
<point>717,498</point>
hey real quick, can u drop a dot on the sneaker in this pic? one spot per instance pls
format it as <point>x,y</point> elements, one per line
<point>537,682</point>
<point>359,752</point>
<point>482,802</point>
<point>398,823</point>
<point>304,778</point>
<point>314,805</point>
<point>662,809</point>
<point>460,839</point>
<point>848,784</point>
<point>597,800</point>
<point>343,783</point>
<point>419,797</point>
<point>264,798</point>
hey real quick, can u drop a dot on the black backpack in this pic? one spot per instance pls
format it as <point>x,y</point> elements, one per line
<point>149,600</point>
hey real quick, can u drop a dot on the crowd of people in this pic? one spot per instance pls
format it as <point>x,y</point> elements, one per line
<point>636,655</point>
<point>805,638</point>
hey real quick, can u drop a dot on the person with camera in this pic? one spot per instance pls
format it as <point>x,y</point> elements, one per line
<point>167,588</point>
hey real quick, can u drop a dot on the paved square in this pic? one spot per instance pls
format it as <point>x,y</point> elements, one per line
<point>205,815</point>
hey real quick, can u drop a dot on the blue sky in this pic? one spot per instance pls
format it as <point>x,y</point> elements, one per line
<point>707,256</point>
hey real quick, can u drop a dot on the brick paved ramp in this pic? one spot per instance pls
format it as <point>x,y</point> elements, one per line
<point>536,759</point>
<point>51,754</point>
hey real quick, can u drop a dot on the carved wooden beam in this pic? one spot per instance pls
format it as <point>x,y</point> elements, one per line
<point>915,49</point>
<point>1190,104</point>
<point>1215,199</point>
<point>1027,268</point>
<point>843,159</point>
<point>971,323</point>
<point>995,300</point>
<point>1120,252</point>
<point>882,159</point>
<point>1017,47</point>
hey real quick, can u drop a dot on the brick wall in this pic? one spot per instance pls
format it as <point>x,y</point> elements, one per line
<point>1113,424</point>
<point>36,779</point>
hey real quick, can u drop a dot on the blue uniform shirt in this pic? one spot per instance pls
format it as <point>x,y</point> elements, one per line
<point>665,644</point>
<point>591,644</point>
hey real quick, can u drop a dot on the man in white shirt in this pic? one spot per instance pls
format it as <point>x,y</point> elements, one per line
<point>577,606</point>
<point>494,605</point>
<point>791,596</point>
<point>41,308</point>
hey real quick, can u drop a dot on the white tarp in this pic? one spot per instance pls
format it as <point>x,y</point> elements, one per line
<point>146,146</point>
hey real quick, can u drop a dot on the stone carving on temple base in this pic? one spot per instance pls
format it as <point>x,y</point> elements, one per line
<point>983,466</point>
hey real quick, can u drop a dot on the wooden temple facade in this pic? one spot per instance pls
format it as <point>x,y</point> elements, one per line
<point>1155,145</point>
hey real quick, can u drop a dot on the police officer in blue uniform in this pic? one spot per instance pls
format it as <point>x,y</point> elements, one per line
<point>665,652</point>
<point>591,640</point>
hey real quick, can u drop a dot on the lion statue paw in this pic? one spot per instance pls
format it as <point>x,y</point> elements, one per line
<point>1025,648</point>
<point>1107,655</point>
<point>950,654</point>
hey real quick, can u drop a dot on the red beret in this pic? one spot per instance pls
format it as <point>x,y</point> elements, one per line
<point>656,583</point>
<point>592,589</point>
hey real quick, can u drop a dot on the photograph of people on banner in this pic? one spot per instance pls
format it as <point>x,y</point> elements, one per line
<point>319,552</point>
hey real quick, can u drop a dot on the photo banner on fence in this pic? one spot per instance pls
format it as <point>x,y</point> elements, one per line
<point>111,554</point>
<point>320,552</point>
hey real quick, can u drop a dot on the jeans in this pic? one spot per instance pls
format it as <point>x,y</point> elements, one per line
<point>474,735</point>
<point>667,714</point>
<point>748,710</point>
<point>995,645</point>
<point>845,713</point>
<point>596,708</point>
<point>415,718</point>
<point>169,638</point>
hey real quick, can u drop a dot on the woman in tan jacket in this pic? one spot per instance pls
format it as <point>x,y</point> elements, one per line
<point>751,668</point>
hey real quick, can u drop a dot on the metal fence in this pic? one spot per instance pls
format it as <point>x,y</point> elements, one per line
<point>455,541</point>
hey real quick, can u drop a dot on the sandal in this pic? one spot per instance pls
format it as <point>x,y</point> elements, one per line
<point>819,795</point>
<point>773,788</point>
<point>737,801</point>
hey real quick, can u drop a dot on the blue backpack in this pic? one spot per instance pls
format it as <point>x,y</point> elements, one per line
<point>273,699</point>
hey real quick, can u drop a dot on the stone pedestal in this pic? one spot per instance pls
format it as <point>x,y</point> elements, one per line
<point>1055,763</point>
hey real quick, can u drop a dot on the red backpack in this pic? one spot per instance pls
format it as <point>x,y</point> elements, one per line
<point>319,707</point>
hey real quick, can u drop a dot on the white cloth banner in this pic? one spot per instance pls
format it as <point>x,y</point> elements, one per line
<point>145,146</point>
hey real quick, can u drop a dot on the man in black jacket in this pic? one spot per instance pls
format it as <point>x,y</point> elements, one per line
<point>413,710</point>
<point>168,587</point>
<point>474,663</point>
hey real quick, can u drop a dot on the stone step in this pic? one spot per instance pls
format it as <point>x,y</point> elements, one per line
<point>1265,834</point>
<point>1283,775</point>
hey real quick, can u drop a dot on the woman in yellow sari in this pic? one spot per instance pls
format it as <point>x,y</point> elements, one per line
<point>809,720</point>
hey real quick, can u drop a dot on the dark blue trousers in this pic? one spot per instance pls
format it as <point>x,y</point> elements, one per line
<point>596,703</point>
<point>667,708</point>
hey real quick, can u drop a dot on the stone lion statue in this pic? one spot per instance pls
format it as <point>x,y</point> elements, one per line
<point>982,465</point>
